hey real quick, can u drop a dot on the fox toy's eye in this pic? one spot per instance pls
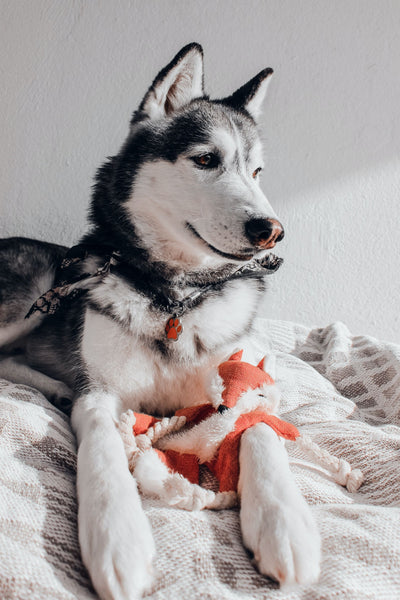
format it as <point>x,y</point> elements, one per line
<point>207,161</point>
<point>256,172</point>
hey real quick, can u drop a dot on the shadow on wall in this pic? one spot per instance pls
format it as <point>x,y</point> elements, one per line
<point>342,254</point>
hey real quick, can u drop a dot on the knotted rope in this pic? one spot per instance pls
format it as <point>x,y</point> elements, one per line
<point>340,468</point>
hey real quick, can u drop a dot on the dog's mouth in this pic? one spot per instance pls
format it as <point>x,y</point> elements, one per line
<point>247,254</point>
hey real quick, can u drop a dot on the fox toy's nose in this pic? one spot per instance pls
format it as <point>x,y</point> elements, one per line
<point>264,233</point>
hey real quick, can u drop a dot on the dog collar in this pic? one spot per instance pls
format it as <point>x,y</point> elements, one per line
<point>71,283</point>
<point>174,326</point>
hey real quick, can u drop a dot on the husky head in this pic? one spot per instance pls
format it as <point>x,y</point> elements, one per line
<point>185,186</point>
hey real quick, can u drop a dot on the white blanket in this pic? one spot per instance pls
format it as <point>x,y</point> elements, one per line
<point>342,390</point>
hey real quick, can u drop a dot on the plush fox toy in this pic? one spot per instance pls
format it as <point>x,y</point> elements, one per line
<point>164,454</point>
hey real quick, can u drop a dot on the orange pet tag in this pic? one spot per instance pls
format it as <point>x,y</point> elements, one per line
<point>173,328</point>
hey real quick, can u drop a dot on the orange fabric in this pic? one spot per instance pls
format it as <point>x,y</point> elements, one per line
<point>185,464</point>
<point>226,465</point>
<point>143,423</point>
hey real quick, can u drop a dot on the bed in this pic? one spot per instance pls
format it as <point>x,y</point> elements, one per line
<point>341,389</point>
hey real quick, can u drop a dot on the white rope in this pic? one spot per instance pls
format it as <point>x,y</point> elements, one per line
<point>223,500</point>
<point>125,426</point>
<point>340,468</point>
<point>181,493</point>
<point>137,444</point>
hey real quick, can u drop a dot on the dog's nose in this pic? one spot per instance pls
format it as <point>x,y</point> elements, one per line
<point>264,233</point>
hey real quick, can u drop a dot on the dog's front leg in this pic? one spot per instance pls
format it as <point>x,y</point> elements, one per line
<point>114,533</point>
<point>277,524</point>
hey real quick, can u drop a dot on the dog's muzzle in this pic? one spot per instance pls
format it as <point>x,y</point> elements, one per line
<point>264,233</point>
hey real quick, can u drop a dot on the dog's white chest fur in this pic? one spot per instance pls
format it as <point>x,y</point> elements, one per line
<point>121,358</point>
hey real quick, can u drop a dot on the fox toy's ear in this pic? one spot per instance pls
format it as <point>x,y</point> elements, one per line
<point>236,355</point>
<point>268,365</point>
<point>251,95</point>
<point>176,85</point>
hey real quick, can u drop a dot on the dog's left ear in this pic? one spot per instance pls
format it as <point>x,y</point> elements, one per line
<point>176,85</point>
<point>251,95</point>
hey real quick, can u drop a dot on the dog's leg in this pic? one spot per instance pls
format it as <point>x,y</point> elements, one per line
<point>114,533</point>
<point>277,524</point>
<point>16,370</point>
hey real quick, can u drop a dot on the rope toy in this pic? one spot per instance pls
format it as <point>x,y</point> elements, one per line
<point>164,454</point>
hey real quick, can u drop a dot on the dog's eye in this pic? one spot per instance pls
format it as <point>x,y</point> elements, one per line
<point>207,161</point>
<point>256,172</point>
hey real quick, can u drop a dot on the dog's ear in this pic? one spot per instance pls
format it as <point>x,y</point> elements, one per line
<point>251,95</point>
<point>176,85</point>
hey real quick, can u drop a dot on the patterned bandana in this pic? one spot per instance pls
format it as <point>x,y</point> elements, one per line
<point>70,285</point>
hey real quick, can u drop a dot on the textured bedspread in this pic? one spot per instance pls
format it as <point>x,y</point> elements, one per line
<point>342,390</point>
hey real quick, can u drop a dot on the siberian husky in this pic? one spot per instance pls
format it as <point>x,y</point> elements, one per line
<point>179,229</point>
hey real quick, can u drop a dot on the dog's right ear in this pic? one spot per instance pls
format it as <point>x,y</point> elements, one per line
<point>176,85</point>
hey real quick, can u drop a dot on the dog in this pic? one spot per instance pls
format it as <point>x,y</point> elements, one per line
<point>165,283</point>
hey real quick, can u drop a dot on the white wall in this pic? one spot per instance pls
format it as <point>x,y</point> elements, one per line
<point>73,71</point>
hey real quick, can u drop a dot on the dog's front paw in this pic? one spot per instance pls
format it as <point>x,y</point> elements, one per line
<point>117,545</point>
<point>287,546</point>
<point>277,523</point>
